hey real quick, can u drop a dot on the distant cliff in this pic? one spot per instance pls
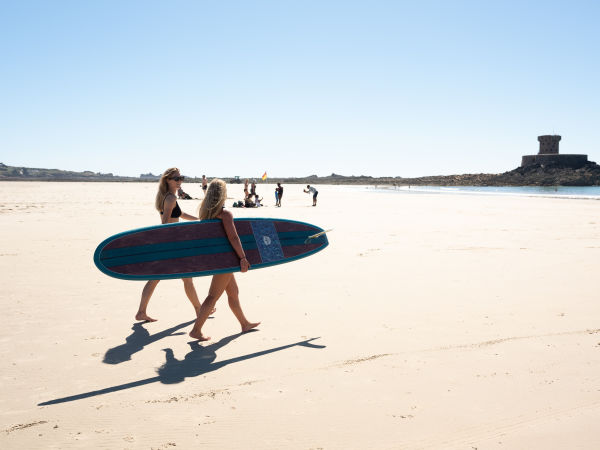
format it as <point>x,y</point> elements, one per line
<point>532,175</point>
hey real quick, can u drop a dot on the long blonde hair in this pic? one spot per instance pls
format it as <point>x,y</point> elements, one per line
<point>213,202</point>
<point>163,188</point>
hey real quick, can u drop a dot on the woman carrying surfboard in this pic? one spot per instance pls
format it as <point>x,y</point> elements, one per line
<point>212,208</point>
<point>170,212</point>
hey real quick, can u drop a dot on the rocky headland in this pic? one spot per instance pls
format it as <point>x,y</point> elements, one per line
<point>533,175</point>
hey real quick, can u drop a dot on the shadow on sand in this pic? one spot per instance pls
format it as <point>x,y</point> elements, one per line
<point>198,361</point>
<point>137,341</point>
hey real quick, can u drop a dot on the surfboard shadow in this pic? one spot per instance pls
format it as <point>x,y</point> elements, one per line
<point>198,361</point>
<point>136,342</point>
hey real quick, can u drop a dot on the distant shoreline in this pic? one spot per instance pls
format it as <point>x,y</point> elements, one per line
<point>534,175</point>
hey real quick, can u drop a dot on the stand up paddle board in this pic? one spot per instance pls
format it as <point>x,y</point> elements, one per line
<point>195,249</point>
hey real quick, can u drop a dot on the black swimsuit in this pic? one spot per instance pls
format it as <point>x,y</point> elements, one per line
<point>176,211</point>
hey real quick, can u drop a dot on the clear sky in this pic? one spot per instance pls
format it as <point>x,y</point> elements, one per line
<point>295,88</point>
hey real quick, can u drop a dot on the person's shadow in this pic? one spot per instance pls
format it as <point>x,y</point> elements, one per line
<point>198,361</point>
<point>137,340</point>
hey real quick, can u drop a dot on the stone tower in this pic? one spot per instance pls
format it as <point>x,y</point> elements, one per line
<point>549,144</point>
<point>548,155</point>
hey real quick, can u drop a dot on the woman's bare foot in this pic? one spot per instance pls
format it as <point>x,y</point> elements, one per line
<point>249,326</point>
<point>198,335</point>
<point>145,317</point>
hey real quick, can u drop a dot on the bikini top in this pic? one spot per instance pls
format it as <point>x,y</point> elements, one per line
<point>176,211</point>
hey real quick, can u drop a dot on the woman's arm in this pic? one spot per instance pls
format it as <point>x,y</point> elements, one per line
<point>234,239</point>
<point>188,217</point>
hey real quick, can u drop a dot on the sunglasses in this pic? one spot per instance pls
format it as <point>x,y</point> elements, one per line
<point>181,178</point>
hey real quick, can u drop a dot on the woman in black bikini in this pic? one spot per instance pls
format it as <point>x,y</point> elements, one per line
<point>170,212</point>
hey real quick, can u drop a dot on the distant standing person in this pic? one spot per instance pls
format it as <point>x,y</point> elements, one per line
<point>253,189</point>
<point>170,212</point>
<point>204,184</point>
<point>246,192</point>
<point>311,189</point>
<point>279,191</point>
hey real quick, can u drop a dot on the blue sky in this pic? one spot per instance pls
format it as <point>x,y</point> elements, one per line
<point>294,88</point>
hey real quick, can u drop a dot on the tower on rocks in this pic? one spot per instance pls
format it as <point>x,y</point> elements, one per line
<point>548,154</point>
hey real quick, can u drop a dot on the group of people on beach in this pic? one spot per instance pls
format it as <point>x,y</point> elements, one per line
<point>251,198</point>
<point>211,207</point>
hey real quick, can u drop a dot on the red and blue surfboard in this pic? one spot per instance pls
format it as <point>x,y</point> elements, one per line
<point>195,249</point>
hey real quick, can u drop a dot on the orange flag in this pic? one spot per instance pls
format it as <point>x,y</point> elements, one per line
<point>264,177</point>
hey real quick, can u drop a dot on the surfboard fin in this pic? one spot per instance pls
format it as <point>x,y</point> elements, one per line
<point>314,236</point>
<point>308,344</point>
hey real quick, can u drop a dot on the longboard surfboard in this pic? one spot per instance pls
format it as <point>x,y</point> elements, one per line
<point>195,249</point>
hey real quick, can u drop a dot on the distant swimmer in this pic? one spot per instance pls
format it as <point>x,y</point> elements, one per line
<point>310,189</point>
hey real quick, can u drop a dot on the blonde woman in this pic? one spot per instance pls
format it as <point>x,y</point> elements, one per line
<point>212,208</point>
<point>170,212</point>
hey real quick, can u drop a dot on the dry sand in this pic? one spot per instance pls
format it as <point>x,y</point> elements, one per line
<point>439,322</point>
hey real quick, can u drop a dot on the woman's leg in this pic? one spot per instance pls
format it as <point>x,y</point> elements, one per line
<point>146,294</point>
<point>190,291</point>
<point>217,287</point>
<point>234,303</point>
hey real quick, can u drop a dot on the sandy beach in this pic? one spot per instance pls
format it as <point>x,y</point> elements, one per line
<point>430,322</point>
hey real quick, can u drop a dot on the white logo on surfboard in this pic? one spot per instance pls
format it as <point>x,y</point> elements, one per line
<point>267,240</point>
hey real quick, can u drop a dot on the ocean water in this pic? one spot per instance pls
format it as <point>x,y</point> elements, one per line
<point>566,192</point>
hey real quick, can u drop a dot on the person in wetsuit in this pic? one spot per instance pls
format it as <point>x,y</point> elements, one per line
<point>170,212</point>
